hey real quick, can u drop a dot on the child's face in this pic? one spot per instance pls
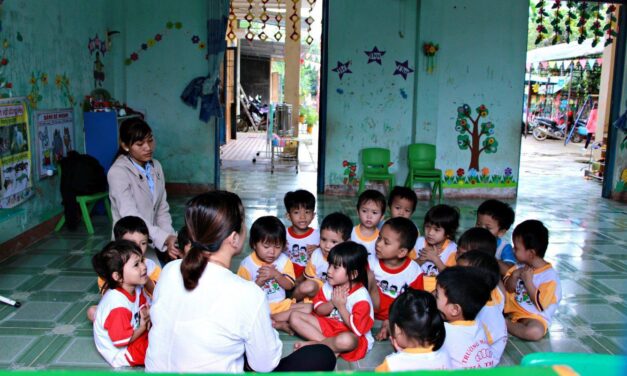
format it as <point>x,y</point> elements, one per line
<point>489,223</point>
<point>268,251</point>
<point>522,254</point>
<point>401,207</point>
<point>138,238</point>
<point>388,245</point>
<point>134,272</point>
<point>301,218</point>
<point>434,235</point>
<point>337,275</point>
<point>445,308</point>
<point>370,214</point>
<point>328,240</point>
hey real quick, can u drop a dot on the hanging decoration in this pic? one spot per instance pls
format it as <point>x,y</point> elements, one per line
<point>541,29</point>
<point>249,17</point>
<point>231,36</point>
<point>264,18</point>
<point>158,37</point>
<point>430,49</point>
<point>309,21</point>
<point>403,69</point>
<point>278,18</point>
<point>570,15</point>
<point>597,33</point>
<point>342,69</point>
<point>96,45</point>
<point>4,61</point>
<point>610,17</point>
<point>556,21</point>
<point>294,18</point>
<point>581,24</point>
<point>34,96</point>
<point>374,55</point>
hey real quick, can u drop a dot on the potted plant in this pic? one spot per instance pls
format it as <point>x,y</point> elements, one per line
<point>301,116</point>
<point>311,118</point>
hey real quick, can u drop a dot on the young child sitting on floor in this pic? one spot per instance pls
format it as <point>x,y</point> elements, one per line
<point>533,286</point>
<point>302,240</point>
<point>344,312</point>
<point>122,317</point>
<point>402,202</point>
<point>461,292</point>
<point>394,272</point>
<point>476,239</point>
<point>417,334</point>
<point>497,217</point>
<point>370,209</point>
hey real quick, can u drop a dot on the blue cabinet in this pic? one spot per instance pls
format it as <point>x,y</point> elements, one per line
<point>101,136</point>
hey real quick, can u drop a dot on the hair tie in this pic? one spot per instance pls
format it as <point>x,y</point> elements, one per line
<point>204,247</point>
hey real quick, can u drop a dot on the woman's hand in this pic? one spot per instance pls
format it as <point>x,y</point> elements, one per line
<point>173,252</point>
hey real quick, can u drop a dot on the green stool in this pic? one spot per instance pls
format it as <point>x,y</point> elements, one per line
<point>86,204</point>
<point>584,364</point>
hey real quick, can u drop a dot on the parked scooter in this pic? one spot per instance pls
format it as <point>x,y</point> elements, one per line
<point>258,115</point>
<point>543,128</point>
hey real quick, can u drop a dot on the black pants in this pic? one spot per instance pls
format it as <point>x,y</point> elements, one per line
<point>318,358</point>
<point>588,138</point>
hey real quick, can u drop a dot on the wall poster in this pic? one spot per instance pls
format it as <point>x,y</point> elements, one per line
<point>15,155</point>
<point>55,137</point>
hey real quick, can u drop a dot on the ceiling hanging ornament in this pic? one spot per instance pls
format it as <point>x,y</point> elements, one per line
<point>294,18</point>
<point>310,20</point>
<point>249,18</point>
<point>583,19</point>
<point>597,33</point>
<point>232,19</point>
<point>278,18</point>
<point>264,19</point>
<point>540,28</point>
<point>610,19</point>
<point>556,21</point>
<point>570,15</point>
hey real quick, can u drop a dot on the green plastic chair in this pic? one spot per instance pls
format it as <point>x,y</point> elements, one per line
<point>87,203</point>
<point>375,164</point>
<point>584,364</point>
<point>421,159</point>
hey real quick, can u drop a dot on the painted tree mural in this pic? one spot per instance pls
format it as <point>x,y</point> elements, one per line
<point>471,132</point>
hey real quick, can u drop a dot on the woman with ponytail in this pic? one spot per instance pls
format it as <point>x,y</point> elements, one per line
<point>207,319</point>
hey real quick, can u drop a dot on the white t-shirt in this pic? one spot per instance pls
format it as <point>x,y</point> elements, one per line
<point>210,328</point>
<point>491,315</point>
<point>297,247</point>
<point>368,242</point>
<point>467,344</point>
<point>415,359</point>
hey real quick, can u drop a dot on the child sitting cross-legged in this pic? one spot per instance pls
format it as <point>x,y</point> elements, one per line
<point>461,292</point>
<point>533,286</point>
<point>393,271</point>
<point>270,269</point>
<point>302,239</point>
<point>122,317</point>
<point>335,229</point>
<point>417,334</point>
<point>344,314</point>
<point>491,315</point>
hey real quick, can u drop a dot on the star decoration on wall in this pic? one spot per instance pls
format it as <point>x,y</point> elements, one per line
<point>403,69</point>
<point>374,55</point>
<point>342,69</point>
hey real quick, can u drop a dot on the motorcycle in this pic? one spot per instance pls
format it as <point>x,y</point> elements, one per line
<point>543,128</point>
<point>258,114</point>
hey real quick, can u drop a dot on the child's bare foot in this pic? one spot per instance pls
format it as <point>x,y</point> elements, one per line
<point>301,344</point>
<point>383,334</point>
<point>91,313</point>
<point>283,326</point>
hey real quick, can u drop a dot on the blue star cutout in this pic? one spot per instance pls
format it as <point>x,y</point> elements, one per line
<point>342,69</point>
<point>374,55</point>
<point>403,69</point>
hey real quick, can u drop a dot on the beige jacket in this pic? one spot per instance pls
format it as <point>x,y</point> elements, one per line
<point>130,195</point>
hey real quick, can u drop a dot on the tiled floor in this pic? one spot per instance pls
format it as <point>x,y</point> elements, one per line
<point>54,280</point>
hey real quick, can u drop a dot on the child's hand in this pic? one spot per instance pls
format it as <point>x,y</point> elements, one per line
<point>340,294</point>
<point>526,274</point>
<point>430,253</point>
<point>144,316</point>
<point>311,248</point>
<point>264,274</point>
<point>384,333</point>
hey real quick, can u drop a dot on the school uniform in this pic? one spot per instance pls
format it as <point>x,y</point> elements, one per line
<point>368,242</point>
<point>297,248</point>
<point>414,359</point>
<point>447,254</point>
<point>467,344</point>
<point>152,269</point>
<point>393,282</point>
<point>491,315</point>
<point>317,267</point>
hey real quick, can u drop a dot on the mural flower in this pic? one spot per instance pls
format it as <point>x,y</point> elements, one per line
<point>44,78</point>
<point>195,39</point>
<point>201,45</point>
<point>460,172</point>
<point>134,56</point>
<point>144,46</point>
<point>508,171</point>
<point>449,173</point>
<point>473,173</point>
<point>151,42</point>
<point>58,80</point>
<point>485,171</point>
<point>158,37</point>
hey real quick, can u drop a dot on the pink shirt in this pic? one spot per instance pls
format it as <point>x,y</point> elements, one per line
<point>591,125</point>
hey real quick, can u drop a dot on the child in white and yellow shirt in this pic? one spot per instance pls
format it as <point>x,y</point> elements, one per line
<point>370,209</point>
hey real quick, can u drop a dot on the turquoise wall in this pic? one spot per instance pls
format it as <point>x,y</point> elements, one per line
<point>619,174</point>
<point>55,35</point>
<point>481,61</point>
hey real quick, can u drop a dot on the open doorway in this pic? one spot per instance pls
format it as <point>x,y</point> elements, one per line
<point>271,81</point>
<point>567,94</point>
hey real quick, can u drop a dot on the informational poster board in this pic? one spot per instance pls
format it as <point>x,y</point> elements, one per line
<point>15,155</point>
<point>55,137</point>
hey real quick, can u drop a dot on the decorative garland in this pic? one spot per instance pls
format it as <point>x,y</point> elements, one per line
<point>541,29</point>
<point>596,25</point>
<point>250,17</point>
<point>556,21</point>
<point>309,21</point>
<point>610,32</point>
<point>583,18</point>
<point>570,15</point>
<point>194,38</point>
<point>294,18</point>
<point>4,83</point>
<point>430,49</point>
<point>278,18</point>
<point>231,36</point>
<point>264,19</point>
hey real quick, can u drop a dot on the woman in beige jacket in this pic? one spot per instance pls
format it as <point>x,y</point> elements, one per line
<point>137,185</point>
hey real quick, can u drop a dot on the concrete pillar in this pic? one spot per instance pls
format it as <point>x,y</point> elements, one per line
<point>292,65</point>
<point>605,95</point>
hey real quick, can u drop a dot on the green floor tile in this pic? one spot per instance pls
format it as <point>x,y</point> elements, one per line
<point>67,283</point>
<point>38,312</point>
<point>80,352</point>
<point>11,347</point>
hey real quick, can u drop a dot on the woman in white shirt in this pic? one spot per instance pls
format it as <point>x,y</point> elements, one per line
<point>204,317</point>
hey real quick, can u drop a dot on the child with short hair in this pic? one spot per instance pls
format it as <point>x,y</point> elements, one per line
<point>460,293</point>
<point>122,317</point>
<point>335,229</point>
<point>370,209</point>
<point>402,202</point>
<point>436,249</point>
<point>417,334</point>
<point>393,271</point>
<point>491,315</point>
<point>302,240</point>
<point>344,312</point>
<point>476,239</point>
<point>533,286</point>
<point>497,217</point>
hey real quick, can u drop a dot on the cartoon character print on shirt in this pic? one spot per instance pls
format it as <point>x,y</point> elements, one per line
<point>135,320</point>
<point>298,254</point>
<point>391,290</point>
<point>430,269</point>
<point>302,256</point>
<point>522,296</point>
<point>270,286</point>
<point>335,314</point>
<point>324,276</point>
